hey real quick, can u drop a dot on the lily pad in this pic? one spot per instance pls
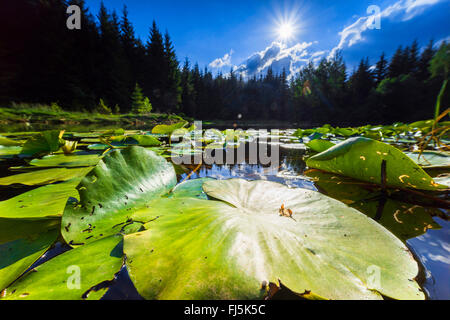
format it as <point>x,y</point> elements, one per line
<point>142,140</point>
<point>68,161</point>
<point>9,142</point>
<point>122,181</point>
<point>45,176</point>
<point>18,255</point>
<point>362,159</point>
<point>191,188</point>
<point>13,229</point>
<point>206,249</point>
<point>56,278</point>
<point>431,159</point>
<point>319,145</point>
<point>168,129</point>
<point>8,152</point>
<point>44,202</point>
<point>43,143</point>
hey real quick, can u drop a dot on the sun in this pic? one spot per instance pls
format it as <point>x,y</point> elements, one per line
<point>286,31</point>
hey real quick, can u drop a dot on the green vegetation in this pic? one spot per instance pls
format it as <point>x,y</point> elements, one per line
<point>231,238</point>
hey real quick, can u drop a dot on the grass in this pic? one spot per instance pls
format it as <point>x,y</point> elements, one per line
<point>39,113</point>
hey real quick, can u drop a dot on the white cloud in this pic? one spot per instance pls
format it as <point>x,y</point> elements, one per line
<point>222,62</point>
<point>402,10</point>
<point>278,56</point>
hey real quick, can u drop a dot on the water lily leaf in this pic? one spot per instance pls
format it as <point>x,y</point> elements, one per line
<point>138,139</point>
<point>18,255</point>
<point>56,278</point>
<point>9,142</point>
<point>43,143</point>
<point>362,158</point>
<point>168,129</point>
<point>320,145</point>
<point>121,182</point>
<point>46,176</point>
<point>190,188</point>
<point>13,229</point>
<point>207,249</point>
<point>403,219</point>
<point>431,159</point>
<point>68,161</point>
<point>43,202</point>
<point>8,152</point>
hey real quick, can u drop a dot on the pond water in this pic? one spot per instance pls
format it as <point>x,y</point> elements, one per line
<point>425,229</point>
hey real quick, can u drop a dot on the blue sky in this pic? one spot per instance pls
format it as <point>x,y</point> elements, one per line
<point>243,34</point>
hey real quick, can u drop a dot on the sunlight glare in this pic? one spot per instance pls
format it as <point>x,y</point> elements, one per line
<point>286,31</point>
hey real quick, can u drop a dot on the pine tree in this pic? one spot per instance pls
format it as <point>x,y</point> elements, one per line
<point>423,72</point>
<point>139,103</point>
<point>172,94</point>
<point>381,69</point>
<point>156,68</point>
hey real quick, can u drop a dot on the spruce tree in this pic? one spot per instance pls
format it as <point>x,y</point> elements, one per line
<point>172,97</point>
<point>381,69</point>
<point>139,103</point>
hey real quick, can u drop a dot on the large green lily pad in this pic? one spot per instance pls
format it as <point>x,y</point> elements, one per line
<point>18,255</point>
<point>122,181</point>
<point>68,161</point>
<point>45,176</point>
<point>55,279</point>
<point>206,249</point>
<point>361,158</point>
<point>44,202</point>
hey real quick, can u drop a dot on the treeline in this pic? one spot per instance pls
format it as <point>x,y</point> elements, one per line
<point>98,66</point>
<point>105,67</point>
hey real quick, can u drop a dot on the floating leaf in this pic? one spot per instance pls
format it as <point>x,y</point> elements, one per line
<point>18,255</point>
<point>430,159</point>
<point>46,176</point>
<point>68,161</point>
<point>205,249</point>
<point>43,202</point>
<point>168,129</point>
<point>43,143</point>
<point>319,145</point>
<point>121,182</point>
<point>9,142</point>
<point>362,158</point>
<point>142,140</point>
<point>56,279</point>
